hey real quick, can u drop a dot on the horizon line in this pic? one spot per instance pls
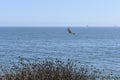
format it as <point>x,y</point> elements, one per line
<point>63,26</point>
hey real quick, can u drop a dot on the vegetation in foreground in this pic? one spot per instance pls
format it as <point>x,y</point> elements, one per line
<point>56,69</point>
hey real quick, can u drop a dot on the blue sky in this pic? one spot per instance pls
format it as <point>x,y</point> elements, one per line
<point>59,12</point>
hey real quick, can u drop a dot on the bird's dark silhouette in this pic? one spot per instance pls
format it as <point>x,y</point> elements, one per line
<point>70,32</point>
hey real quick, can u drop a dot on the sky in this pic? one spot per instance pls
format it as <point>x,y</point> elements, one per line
<point>59,12</point>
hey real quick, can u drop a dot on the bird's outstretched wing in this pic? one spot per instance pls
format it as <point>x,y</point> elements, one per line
<point>69,31</point>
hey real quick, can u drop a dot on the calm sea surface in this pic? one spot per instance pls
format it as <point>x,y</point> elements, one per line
<point>91,45</point>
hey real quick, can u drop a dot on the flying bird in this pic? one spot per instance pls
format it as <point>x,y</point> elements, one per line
<point>70,32</point>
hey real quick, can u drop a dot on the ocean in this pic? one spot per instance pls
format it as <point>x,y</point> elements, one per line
<point>97,46</point>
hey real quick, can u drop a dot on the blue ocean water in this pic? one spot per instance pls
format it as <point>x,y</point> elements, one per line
<point>98,46</point>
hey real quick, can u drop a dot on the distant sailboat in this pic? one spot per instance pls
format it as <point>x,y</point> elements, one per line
<point>70,32</point>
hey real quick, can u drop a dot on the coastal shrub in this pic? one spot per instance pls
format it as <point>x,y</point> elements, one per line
<point>53,69</point>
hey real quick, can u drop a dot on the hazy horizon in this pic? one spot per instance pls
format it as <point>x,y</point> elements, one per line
<point>64,26</point>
